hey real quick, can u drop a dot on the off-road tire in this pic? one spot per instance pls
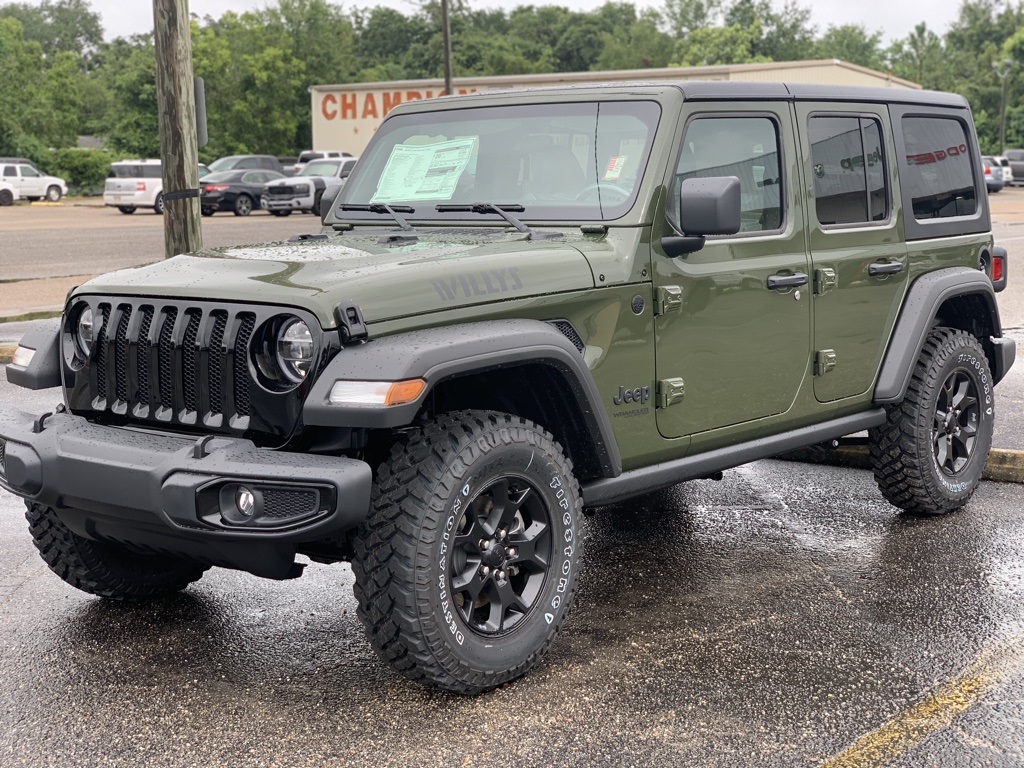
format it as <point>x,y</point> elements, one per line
<point>53,194</point>
<point>128,210</point>
<point>408,553</point>
<point>158,205</point>
<point>102,569</point>
<point>904,452</point>
<point>6,197</point>
<point>243,205</point>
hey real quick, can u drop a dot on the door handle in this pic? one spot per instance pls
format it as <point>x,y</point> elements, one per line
<point>885,269</point>
<point>778,282</point>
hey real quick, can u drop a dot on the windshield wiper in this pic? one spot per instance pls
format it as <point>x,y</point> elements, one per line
<point>501,210</point>
<point>385,208</point>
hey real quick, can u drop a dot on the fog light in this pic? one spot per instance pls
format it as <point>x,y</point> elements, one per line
<point>23,356</point>
<point>245,501</point>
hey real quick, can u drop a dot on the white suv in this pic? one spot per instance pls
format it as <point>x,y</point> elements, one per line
<point>31,184</point>
<point>133,184</point>
<point>303,191</point>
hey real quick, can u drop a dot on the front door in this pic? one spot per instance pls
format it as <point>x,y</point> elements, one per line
<point>733,329</point>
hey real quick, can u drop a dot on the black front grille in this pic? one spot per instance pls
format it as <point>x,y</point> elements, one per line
<point>188,365</point>
<point>280,191</point>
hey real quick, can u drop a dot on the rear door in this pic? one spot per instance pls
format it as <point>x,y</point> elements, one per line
<point>733,324</point>
<point>859,258</point>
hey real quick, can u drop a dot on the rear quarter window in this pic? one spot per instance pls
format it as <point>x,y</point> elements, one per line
<point>936,169</point>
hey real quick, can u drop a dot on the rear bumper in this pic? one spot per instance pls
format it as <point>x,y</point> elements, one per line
<point>175,495</point>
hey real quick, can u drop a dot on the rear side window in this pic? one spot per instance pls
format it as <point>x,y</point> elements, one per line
<point>129,171</point>
<point>937,169</point>
<point>745,147</point>
<point>848,167</point>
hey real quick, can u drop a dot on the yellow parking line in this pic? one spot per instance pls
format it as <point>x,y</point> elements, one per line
<point>936,711</point>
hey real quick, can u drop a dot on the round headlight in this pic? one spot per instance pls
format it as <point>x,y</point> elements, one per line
<point>84,333</point>
<point>295,349</point>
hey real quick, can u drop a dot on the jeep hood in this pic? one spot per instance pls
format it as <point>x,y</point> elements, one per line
<point>387,276</point>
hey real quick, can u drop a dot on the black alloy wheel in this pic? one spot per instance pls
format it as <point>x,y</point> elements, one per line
<point>957,414</point>
<point>500,556</point>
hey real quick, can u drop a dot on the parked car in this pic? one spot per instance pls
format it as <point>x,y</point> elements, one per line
<point>204,170</point>
<point>1004,163</point>
<point>993,174</point>
<point>236,191</point>
<point>1016,158</point>
<point>303,191</point>
<point>134,184</point>
<point>8,194</point>
<point>310,155</point>
<point>247,162</point>
<point>31,183</point>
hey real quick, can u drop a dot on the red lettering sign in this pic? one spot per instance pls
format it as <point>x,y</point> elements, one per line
<point>329,106</point>
<point>370,106</point>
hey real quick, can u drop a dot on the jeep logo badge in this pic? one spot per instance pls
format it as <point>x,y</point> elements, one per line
<point>637,395</point>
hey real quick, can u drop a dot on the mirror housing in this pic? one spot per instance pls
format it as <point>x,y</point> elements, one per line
<point>708,206</point>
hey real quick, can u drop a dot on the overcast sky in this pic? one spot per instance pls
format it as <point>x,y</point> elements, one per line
<point>893,18</point>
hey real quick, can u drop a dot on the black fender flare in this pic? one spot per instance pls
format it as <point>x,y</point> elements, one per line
<point>920,308</point>
<point>44,371</point>
<point>438,354</point>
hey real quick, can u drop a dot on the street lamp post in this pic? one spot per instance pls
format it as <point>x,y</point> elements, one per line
<point>1002,70</point>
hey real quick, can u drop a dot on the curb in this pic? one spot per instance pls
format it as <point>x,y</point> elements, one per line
<point>1004,465</point>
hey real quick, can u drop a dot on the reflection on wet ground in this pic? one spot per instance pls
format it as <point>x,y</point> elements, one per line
<point>772,619</point>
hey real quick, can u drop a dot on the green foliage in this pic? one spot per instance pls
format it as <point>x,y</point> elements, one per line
<point>85,170</point>
<point>259,65</point>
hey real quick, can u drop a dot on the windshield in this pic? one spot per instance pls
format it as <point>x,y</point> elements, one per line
<point>224,163</point>
<point>558,161</point>
<point>321,168</point>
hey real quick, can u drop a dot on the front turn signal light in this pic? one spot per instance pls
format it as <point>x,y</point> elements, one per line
<point>382,393</point>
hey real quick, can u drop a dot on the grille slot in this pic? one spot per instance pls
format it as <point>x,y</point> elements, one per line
<point>189,370</point>
<point>121,354</point>
<point>216,362</point>
<point>101,355</point>
<point>3,452</point>
<point>241,382</point>
<point>142,356</point>
<point>167,359</point>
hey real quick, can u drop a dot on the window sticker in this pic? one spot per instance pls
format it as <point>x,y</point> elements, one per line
<point>424,172</point>
<point>615,166</point>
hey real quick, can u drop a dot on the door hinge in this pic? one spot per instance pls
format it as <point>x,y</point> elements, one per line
<point>824,361</point>
<point>824,281</point>
<point>668,298</point>
<point>670,392</point>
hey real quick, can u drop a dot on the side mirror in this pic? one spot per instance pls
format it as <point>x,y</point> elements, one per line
<point>327,200</point>
<point>708,206</point>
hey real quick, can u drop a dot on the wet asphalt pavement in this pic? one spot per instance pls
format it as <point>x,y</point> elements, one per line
<point>786,616</point>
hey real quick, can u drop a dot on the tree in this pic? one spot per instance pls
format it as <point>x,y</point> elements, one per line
<point>710,46</point>
<point>59,26</point>
<point>852,43</point>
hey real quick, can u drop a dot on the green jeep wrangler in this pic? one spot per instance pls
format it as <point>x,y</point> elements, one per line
<point>523,305</point>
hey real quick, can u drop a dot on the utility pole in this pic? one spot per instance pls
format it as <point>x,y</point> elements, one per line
<point>176,111</point>
<point>1002,70</point>
<point>446,36</point>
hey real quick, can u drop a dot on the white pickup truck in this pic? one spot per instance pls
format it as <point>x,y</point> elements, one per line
<point>303,191</point>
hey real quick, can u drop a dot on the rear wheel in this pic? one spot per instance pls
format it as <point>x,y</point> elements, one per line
<point>126,209</point>
<point>207,211</point>
<point>6,197</point>
<point>103,569</point>
<point>467,564</point>
<point>243,205</point>
<point>158,205</point>
<point>929,455</point>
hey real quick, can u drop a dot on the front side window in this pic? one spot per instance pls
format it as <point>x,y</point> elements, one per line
<point>745,147</point>
<point>937,168</point>
<point>28,170</point>
<point>582,160</point>
<point>848,169</point>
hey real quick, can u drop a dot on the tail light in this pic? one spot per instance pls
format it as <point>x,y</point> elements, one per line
<point>996,266</point>
<point>140,186</point>
<point>215,187</point>
<point>988,171</point>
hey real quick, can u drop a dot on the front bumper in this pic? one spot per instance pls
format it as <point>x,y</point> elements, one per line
<point>288,203</point>
<point>173,495</point>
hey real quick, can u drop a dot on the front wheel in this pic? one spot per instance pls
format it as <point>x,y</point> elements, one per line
<point>280,213</point>
<point>53,194</point>
<point>929,454</point>
<point>468,562</point>
<point>243,205</point>
<point>103,569</point>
